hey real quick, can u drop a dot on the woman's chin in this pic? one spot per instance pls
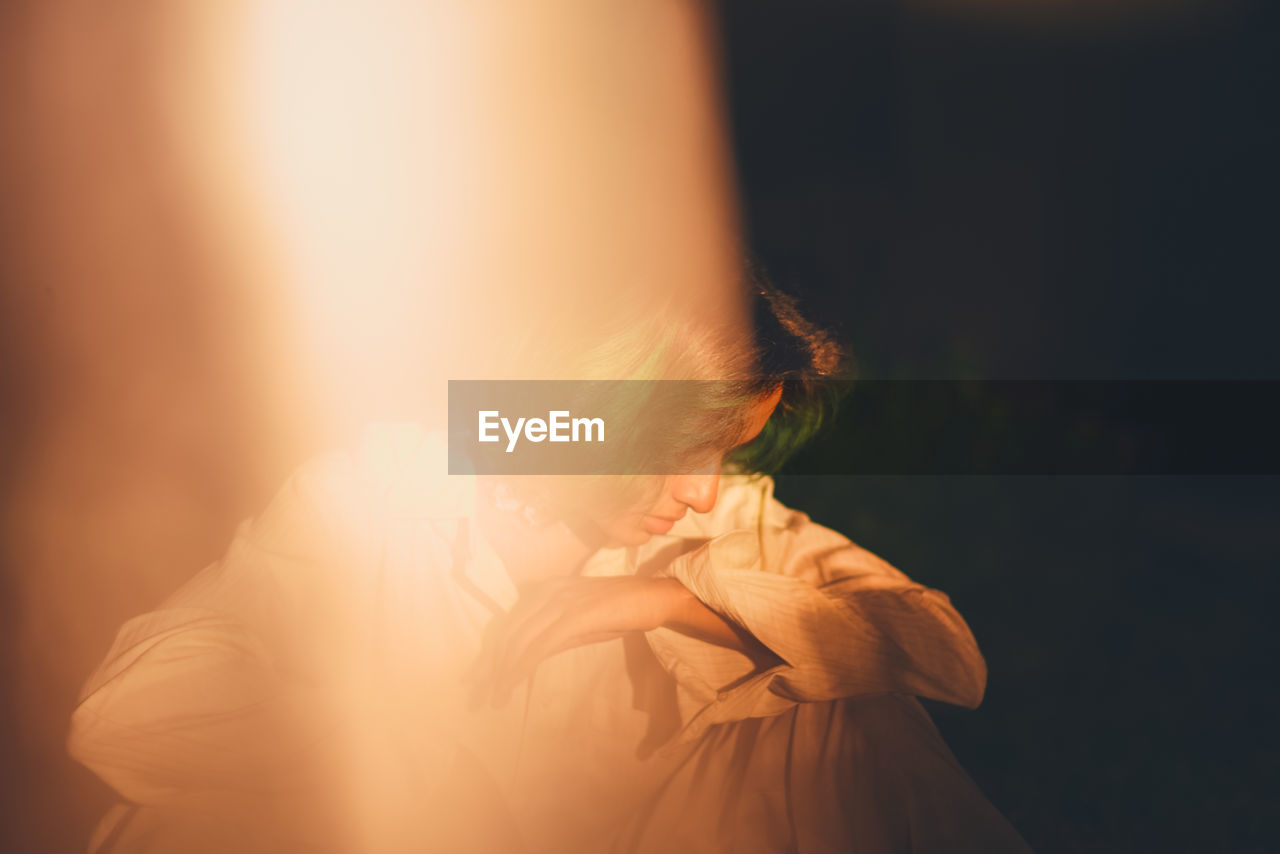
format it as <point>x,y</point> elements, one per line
<point>635,534</point>
<point>635,537</point>
<point>634,530</point>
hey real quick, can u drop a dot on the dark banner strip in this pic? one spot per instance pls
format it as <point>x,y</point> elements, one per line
<point>1080,427</point>
<point>936,427</point>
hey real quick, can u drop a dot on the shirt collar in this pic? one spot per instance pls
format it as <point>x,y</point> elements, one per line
<point>413,464</point>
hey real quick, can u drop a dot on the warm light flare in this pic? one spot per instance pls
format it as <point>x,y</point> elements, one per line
<point>447,179</point>
<point>255,225</point>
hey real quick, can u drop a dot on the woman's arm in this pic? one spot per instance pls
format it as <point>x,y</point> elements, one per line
<point>205,693</point>
<point>757,619</point>
<point>563,613</point>
<point>840,621</point>
<point>186,701</point>
<point>689,616</point>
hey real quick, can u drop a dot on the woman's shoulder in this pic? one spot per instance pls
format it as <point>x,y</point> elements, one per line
<point>346,495</point>
<point>400,469</point>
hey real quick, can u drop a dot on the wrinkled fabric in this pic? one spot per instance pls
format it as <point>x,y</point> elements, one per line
<point>306,692</point>
<point>867,773</point>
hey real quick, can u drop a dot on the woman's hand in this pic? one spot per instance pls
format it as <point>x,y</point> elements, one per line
<point>564,613</point>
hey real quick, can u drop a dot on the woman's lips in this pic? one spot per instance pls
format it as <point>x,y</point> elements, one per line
<point>658,524</point>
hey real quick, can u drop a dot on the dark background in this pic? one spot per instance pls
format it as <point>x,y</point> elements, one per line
<point>984,191</point>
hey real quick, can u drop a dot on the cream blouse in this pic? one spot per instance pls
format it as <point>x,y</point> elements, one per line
<point>311,682</point>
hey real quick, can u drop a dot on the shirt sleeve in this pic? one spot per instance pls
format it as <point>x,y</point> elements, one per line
<point>187,701</point>
<point>210,692</point>
<point>277,668</point>
<point>837,620</point>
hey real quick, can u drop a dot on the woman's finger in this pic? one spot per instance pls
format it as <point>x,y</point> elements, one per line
<point>529,606</point>
<point>555,618</point>
<point>560,638</point>
<point>526,659</point>
<point>479,678</point>
<point>532,611</point>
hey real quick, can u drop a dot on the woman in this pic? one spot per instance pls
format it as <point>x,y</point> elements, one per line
<point>391,659</point>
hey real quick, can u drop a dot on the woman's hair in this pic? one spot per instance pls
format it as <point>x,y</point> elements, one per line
<point>709,378</point>
<point>684,386</point>
<point>802,358</point>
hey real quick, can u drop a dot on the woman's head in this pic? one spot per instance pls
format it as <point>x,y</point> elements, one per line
<point>667,498</point>
<point>696,397</point>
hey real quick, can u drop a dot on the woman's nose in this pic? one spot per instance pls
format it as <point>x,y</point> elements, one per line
<point>697,490</point>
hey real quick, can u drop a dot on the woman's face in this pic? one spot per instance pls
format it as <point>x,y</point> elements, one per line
<point>683,492</point>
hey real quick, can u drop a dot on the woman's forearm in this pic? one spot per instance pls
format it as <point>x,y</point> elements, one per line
<point>689,616</point>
